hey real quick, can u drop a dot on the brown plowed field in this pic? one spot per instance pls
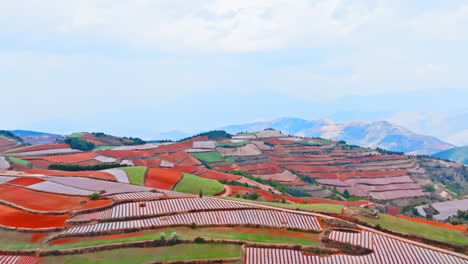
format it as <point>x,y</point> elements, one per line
<point>216,175</point>
<point>40,147</point>
<point>147,163</point>
<point>305,168</point>
<point>126,154</point>
<point>355,174</point>
<point>25,181</point>
<point>69,158</point>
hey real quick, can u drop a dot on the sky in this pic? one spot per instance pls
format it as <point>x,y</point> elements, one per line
<point>144,67</point>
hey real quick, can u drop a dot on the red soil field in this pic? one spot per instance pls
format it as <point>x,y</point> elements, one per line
<point>25,181</point>
<point>95,142</point>
<point>277,141</point>
<point>126,154</point>
<point>216,175</point>
<point>380,157</point>
<point>232,166</point>
<point>393,210</point>
<point>40,147</point>
<point>305,168</point>
<point>147,163</point>
<point>39,163</point>
<point>68,158</point>
<point>266,195</point>
<point>80,239</point>
<point>294,183</point>
<point>355,174</point>
<point>462,228</point>
<point>271,170</point>
<point>162,178</point>
<point>37,236</point>
<point>42,201</point>
<point>186,169</point>
<point>16,218</point>
<point>258,166</point>
<point>184,158</point>
<point>88,174</point>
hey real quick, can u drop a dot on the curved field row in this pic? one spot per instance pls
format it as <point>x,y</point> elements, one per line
<point>305,168</point>
<point>285,176</point>
<point>271,170</point>
<point>160,207</point>
<point>94,185</point>
<point>42,201</point>
<point>119,174</point>
<point>462,228</point>
<point>89,174</point>
<point>162,178</point>
<point>259,166</point>
<point>357,174</point>
<point>233,217</point>
<point>13,217</point>
<point>126,154</point>
<point>136,196</point>
<point>216,175</point>
<point>69,158</point>
<point>136,174</point>
<point>25,181</point>
<point>147,163</point>
<point>38,147</point>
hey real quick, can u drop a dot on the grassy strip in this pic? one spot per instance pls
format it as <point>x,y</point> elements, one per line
<point>193,184</point>
<point>243,234</point>
<point>18,161</point>
<point>326,208</point>
<point>103,147</point>
<point>146,255</point>
<point>211,156</point>
<point>136,174</point>
<point>411,227</point>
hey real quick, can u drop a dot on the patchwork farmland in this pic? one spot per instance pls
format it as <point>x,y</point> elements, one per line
<point>250,198</point>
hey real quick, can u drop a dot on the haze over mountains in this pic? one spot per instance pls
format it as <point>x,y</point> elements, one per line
<point>382,134</point>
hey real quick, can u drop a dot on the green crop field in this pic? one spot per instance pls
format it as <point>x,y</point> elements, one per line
<point>18,161</point>
<point>193,184</point>
<point>136,174</point>
<point>77,134</point>
<point>411,227</point>
<point>211,156</point>
<point>148,255</point>
<point>244,234</point>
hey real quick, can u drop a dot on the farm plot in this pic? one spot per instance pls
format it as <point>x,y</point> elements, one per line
<point>284,176</point>
<point>53,187</point>
<point>193,184</point>
<point>54,151</point>
<point>162,178</point>
<point>208,144</point>
<point>211,156</point>
<point>136,196</point>
<point>12,217</point>
<point>136,174</point>
<point>119,174</point>
<point>25,181</point>
<point>247,150</point>
<point>70,158</point>
<point>12,259</point>
<point>179,252</point>
<point>161,207</point>
<point>396,194</point>
<point>89,174</point>
<point>42,201</point>
<point>234,217</point>
<point>94,185</point>
<point>449,208</point>
<point>380,180</point>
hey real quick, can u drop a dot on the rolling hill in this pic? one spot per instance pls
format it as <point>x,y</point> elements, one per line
<point>382,134</point>
<point>458,154</point>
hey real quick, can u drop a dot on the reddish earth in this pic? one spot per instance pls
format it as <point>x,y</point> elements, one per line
<point>12,217</point>
<point>147,163</point>
<point>68,158</point>
<point>25,181</point>
<point>356,174</point>
<point>42,201</point>
<point>186,169</point>
<point>259,166</point>
<point>40,147</point>
<point>89,174</point>
<point>265,195</point>
<point>80,239</point>
<point>393,210</point>
<point>162,178</point>
<point>35,237</point>
<point>95,142</point>
<point>305,168</point>
<point>184,158</point>
<point>462,228</point>
<point>89,162</point>
<point>228,167</point>
<point>216,175</point>
<point>39,163</point>
<point>271,170</point>
<point>126,154</point>
<point>295,183</point>
<point>277,141</point>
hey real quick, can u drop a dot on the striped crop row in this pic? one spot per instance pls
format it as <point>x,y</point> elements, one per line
<point>10,259</point>
<point>136,196</point>
<point>159,207</point>
<point>233,217</point>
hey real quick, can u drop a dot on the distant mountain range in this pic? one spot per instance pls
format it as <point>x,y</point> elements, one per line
<point>458,154</point>
<point>382,134</point>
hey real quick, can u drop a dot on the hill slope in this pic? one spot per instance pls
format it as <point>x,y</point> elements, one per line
<point>380,134</point>
<point>458,154</point>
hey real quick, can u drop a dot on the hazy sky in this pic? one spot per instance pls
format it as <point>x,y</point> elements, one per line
<point>141,67</point>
